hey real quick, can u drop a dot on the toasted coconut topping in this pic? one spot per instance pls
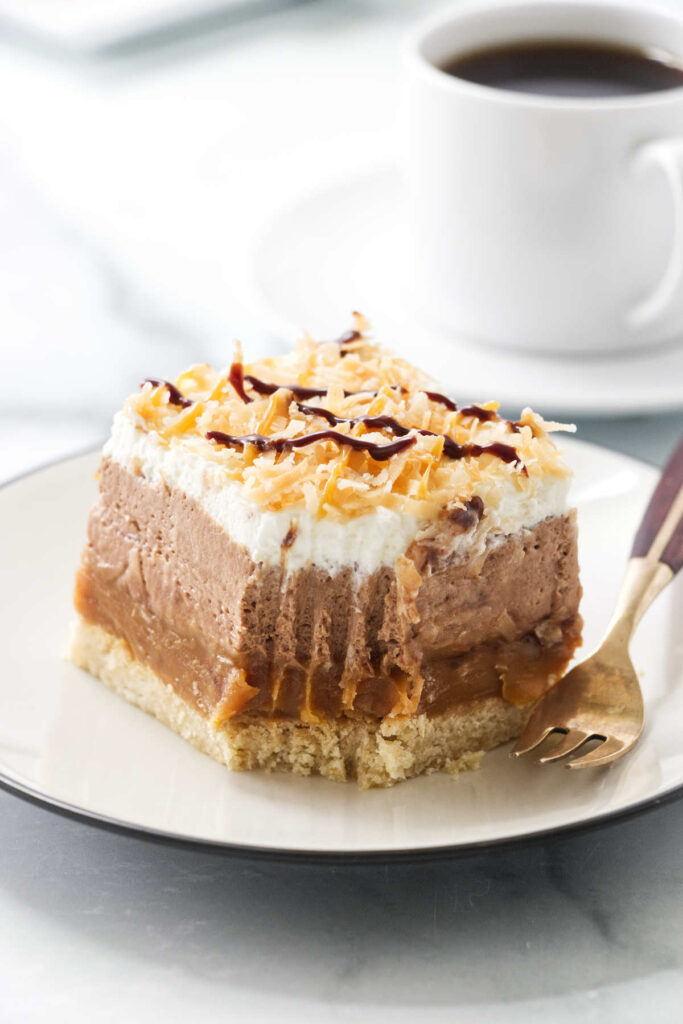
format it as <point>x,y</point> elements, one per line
<point>264,406</point>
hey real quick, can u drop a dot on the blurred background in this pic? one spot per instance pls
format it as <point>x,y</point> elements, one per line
<point>144,150</point>
<point>136,169</point>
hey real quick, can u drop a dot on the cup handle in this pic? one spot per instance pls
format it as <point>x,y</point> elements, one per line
<point>667,154</point>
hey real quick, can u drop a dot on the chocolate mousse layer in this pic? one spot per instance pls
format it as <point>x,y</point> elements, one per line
<point>237,638</point>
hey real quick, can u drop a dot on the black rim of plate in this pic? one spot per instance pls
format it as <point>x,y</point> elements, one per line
<point>334,857</point>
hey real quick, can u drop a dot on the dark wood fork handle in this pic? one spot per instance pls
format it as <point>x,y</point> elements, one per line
<point>661,513</point>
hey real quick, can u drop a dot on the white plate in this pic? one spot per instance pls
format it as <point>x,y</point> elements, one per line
<point>67,740</point>
<point>342,247</point>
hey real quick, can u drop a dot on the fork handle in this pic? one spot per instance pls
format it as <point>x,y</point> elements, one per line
<point>657,552</point>
<point>660,534</point>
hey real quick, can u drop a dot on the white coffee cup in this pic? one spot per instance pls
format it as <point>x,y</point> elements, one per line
<point>541,222</point>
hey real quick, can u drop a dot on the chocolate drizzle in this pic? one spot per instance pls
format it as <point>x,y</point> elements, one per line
<point>374,422</point>
<point>379,452</point>
<point>451,448</point>
<point>347,338</point>
<point>174,396</point>
<point>505,452</point>
<point>436,396</point>
<point>236,378</point>
<point>483,415</point>
<point>264,387</point>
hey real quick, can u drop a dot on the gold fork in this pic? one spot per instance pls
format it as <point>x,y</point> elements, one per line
<point>600,699</point>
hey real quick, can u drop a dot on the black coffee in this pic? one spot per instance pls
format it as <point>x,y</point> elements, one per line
<point>569,68</point>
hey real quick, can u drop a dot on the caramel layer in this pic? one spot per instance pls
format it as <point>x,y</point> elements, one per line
<point>520,670</point>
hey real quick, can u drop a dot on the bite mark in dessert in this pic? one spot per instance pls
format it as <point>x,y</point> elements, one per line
<point>373,586</point>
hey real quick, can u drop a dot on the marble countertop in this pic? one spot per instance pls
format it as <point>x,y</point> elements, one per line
<point>129,185</point>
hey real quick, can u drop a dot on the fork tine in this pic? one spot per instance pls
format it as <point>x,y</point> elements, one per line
<point>606,752</point>
<point>573,739</point>
<point>530,738</point>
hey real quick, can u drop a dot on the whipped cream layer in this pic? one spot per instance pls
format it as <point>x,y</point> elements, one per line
<point>364,542</point>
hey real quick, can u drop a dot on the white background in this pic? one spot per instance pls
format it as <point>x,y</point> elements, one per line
<point>130,185</point>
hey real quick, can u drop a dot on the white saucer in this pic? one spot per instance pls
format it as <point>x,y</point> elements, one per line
<point>342,248</point>
<point>67,741</point>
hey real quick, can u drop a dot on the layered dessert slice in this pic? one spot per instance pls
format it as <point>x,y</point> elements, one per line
<point>318,563</point>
